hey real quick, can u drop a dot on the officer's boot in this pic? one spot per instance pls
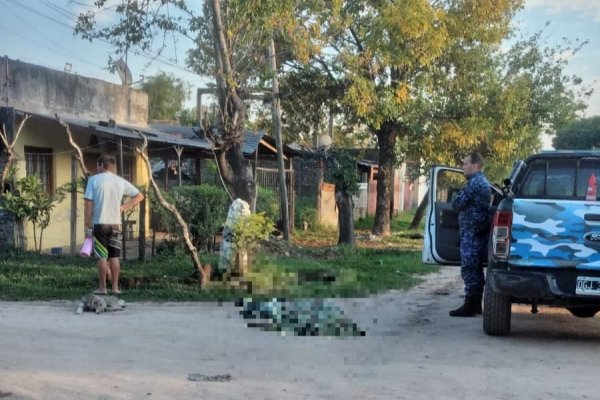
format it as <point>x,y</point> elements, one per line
<point>477,305</point>
<point>468,309</point>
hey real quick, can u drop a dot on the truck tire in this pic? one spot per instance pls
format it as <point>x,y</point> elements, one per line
<point>496,311</point>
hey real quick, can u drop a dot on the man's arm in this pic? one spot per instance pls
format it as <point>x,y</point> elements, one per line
<point>463,198</point>
<point>132,202</point>
<point>87,215</point>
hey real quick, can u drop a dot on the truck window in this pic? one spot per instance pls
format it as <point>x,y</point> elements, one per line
<point>448,184</point>
<point>560,179</point>
<point>587,167</point>
<point>535,180</point>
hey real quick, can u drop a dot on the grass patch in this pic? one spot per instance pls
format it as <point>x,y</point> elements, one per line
<point>333,272</point>
<point>400,222</point>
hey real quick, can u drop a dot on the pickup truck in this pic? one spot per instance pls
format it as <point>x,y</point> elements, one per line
<point>544,246</point>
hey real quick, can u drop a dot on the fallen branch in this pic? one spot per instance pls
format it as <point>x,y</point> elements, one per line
<point>186,232</point>
<point>8,147</point>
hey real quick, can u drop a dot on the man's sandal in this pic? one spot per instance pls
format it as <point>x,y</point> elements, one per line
<point>100,292</point>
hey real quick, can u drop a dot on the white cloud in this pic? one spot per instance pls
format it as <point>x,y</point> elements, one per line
<point>587,8</point>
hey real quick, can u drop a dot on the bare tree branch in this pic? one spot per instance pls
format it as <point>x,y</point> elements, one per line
<point>79,154</point>
<point>204,275</point>
<point>8,148</point>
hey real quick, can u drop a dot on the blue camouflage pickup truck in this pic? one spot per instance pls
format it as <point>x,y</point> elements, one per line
<point>544,246</point>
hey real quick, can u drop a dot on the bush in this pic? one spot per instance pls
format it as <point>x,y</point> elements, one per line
<point>266,202</point>
<point>203,207</point>
<point>306,212</point>
<point>249,230</point>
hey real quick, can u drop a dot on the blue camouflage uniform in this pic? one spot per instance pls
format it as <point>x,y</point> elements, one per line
<point>473,205</point>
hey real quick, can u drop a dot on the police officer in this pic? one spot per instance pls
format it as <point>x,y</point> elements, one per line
<point>473,204</point>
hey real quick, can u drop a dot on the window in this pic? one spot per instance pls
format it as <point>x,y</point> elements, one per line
<point>535,181</point>
<point>566,179</point>
<point>127,172</point>
<point>560,181</point>
<point>587,167</point>
<point>38,162</point>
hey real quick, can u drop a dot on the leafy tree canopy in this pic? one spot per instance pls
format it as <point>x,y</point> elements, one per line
<point>583,134</point>
<point>166,96</point>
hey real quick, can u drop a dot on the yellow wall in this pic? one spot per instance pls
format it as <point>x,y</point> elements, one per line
<point>49,134</point>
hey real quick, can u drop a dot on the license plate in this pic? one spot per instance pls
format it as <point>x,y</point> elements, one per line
<point>589,285</point>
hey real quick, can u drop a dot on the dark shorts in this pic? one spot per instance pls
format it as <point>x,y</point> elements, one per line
<point>107,241</point>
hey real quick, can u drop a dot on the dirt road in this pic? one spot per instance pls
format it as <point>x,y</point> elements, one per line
<point>412,350</point>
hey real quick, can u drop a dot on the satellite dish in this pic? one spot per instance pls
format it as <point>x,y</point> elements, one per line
<point>124,72</point>
<point>324,141</point>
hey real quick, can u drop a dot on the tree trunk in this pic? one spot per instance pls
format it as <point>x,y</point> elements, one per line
<point>386,136</point>
<point>345,217</point>
<point>235,170</point>
<point>242,179</point>
<point>420,212</point>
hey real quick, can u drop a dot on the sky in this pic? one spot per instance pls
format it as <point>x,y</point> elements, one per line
<point>41,32</point>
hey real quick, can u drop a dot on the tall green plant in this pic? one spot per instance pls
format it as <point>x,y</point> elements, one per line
<point>266,202</point>
<point>203,207</point>
<point>32,203</point>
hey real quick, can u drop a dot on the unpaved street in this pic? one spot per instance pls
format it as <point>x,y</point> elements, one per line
<point>412,350</point>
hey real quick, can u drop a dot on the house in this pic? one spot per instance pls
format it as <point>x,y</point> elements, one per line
<point>315,168</point>
<point>103,118</point>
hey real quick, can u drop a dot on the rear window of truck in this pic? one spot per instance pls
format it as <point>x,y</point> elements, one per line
<point>559,178</point>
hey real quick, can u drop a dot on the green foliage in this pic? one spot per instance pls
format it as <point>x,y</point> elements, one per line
<point>583,134</point>
<point>166,95</point>
<point>187,117</point>
<point>33,204</point>
<point>249,230</point>
<point>266,202</point>
<point>29,276</point>
<point>306,212</point>
<point>502,99</point>
<point>203,207</point>
<point>399,223</point>
<point>345,175</point>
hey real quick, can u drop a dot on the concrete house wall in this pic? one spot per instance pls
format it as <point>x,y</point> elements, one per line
<point>37,89</point>
<point>45,92</point>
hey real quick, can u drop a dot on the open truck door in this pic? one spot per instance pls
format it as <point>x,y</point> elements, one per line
<point>441,244</point>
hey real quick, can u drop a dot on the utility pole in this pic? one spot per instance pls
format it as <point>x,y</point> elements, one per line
<point>277,125</point>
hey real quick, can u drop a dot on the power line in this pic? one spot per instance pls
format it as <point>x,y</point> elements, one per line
<point>66,52</point>
<point>137,52</point>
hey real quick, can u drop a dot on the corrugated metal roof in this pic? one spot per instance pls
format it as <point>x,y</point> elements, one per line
<point>131,132</point>
<point>251,141</point>
<point>185,132</point>
<point>163,134</point>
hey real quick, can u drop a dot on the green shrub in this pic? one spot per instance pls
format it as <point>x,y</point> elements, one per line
<point>266,202</point>
<point>249,230</point>
<point>203,207</point>
<point>306,212</point>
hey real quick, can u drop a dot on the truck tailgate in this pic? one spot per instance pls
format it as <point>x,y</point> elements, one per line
<point>555,234</point>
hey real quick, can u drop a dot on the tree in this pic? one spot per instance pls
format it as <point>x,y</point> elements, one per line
<point>502,100</point>
<point>514,95</point>
<point>231,46</point>
<point>33,204</point>
<point>581,135</point>
<point>346,185</point>
<point>140,22</point>
<point>391,56</point>
<point>166,95</point>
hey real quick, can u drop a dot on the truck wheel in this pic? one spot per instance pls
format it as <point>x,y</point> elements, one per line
<point>583,312</point>
<point>496,311</point>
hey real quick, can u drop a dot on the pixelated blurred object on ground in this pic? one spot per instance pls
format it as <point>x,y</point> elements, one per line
<point>305,317</point>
